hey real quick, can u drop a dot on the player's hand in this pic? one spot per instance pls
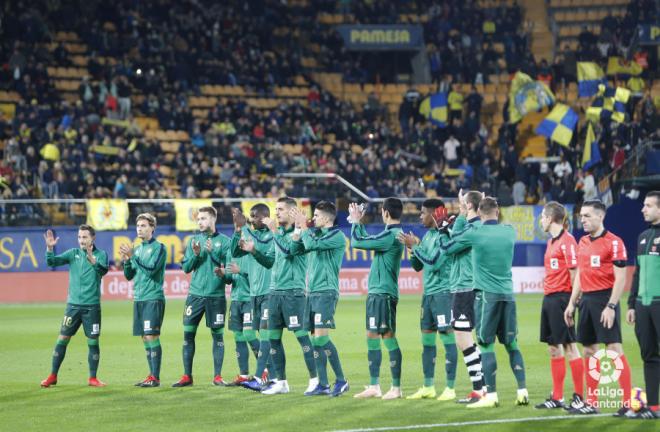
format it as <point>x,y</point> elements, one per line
<point>234,268</point>
<point>51,240</point>
<point>569,315</point>
<point>607,317</point>
<point>90,253</point>
<point>219,271</point>
<point>196,247</point>
<point>209,245</point>
<point>409,240</point>
<point>630,316</point>
<point>355,212</point>
<point>247,245</point>
<point>270,223</point>
<point>462,204</point>
<point>299,217</point>
<point>126,251</point>
<point>238,219</point>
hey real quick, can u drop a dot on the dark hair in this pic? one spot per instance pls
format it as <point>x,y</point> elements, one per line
<point>328,208</point>
<point>261,209</point>
<point>394,207</point>
<point>473,197</point>
<point>656,195</point>
<point>596,204</point>
<point>85,227</point>
<point>556,211</point>
<point>208,209</point>
<point>488,205</point>
<point>288,201</point>
<point>433,203</point>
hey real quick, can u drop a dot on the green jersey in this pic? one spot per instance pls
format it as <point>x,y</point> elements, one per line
<point>647,269</point>
<point>461,275</point>
<point>427,255</point>
<point>384,272</point>
<point>204,282</point>
<point>326,248</point>
<point>258,264</point>
<point>492,247</point>
<point>240,287</point>
<point>290,262</point>
<point>146,268</point>
<point>84,278</point>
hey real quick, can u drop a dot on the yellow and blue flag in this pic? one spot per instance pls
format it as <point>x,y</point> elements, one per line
<point>434,108</point>
<point>559,124</point>
<point>527,95</point>
<point>589,76</point>
<point>186,212</point>
<point>591,153</point>
<point>107,214</point>
<point>618,66</point>
<point>609,105</point>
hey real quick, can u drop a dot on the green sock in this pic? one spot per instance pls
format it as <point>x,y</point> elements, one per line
<point>321,359</point>
<point>429,353</point>
<point>489,363</point>
<point>395,360</point>
<point>253,341</point>
<point>278,356</point>
<point>451,357</point>
<point>93,355</point>
<point>218,350</point>
<point>188,348</point>
<point>58,354</point>
<point>308,352</point>
<point>156,358</point>
<point>333,357</point>
<point>147,348</point>
<point>263,358</point>
<point>517,364</point>
<point>242,353</point>
<point>375,357</point>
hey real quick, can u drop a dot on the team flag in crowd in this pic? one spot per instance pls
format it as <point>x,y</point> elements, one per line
<point>559,124</point>
<point>621,67</point>
<point>107,214</point>
<point>527,95</point>
<point>591,153</point>
<point>590,76</point>
<point>609,105</point>
<point>435,109</point>
<point>186,212</point>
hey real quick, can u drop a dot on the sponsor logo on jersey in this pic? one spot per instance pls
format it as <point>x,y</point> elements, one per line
<point>554,263</point>
<point>595,260</point>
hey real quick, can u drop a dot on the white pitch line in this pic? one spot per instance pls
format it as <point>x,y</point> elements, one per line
<point>471,423</point>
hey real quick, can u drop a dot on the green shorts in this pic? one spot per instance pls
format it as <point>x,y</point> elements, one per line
<point>260,306</point>
<point>320,310</point>
<point>478,296</point>
<point>240,316</point>
<point>497,318</point>
<point>436,312</point>
<point>87,315</point>
<point>381,313</point>
<point>148,317</point>
<point>214,308</point>
<point>286,310</point>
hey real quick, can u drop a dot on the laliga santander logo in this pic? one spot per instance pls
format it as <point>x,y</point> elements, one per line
<point>610,369</point>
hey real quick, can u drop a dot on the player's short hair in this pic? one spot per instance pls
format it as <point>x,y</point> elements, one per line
<point>555,211</point>
<point>151,219</point>
<point>288,201</point>
<point>261,209</point>
<point>433,203</point>
<point>394,207</point>
<point>210,210</point>
<point>656,195</point>
<point>89,228</point>
<point>488,205</point>
<point>595,204</point>
<point>473,197</point>
<point>328,208</point>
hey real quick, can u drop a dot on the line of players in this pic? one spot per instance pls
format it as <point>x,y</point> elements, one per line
<point>467,286</point>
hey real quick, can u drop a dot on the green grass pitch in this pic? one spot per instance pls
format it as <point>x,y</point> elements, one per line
<point>28,333</point>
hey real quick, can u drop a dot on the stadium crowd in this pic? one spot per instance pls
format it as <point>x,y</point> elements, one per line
<point>55,148</point>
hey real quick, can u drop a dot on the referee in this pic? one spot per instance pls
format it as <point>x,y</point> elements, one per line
<point>644,304</point>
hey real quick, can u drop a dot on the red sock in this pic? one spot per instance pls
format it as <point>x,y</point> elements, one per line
<point>655,408</point>
<point>558,368</point>
<point>592,383</point>
<point>625,381</point>
<point>577,371</point>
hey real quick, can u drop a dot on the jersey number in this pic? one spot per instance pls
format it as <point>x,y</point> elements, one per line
<point>189,311</point>
<point>67,321</point>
